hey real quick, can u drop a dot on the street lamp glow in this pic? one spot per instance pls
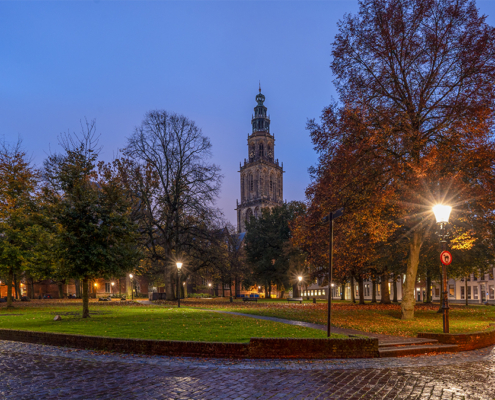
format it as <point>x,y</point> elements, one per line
<point>442,213</point>
<point>332,284</point>
<point>96,284</point>
<point>209,284</point>
<point>131,276</point>
<point>113,283</point>
<point>179,265</point>
<point>299,278</point>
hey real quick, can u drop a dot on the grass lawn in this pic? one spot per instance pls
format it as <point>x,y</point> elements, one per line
<point>131,320</point>
<point>383,319</point>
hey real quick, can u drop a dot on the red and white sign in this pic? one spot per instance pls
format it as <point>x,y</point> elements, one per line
<point>445,257</point>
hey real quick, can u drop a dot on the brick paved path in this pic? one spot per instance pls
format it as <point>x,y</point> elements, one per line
<point>44,372</point>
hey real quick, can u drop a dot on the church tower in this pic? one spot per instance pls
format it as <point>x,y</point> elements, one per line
<point>261,175</point>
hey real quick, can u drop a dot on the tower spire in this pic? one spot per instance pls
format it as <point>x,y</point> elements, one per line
<point>260,86</point>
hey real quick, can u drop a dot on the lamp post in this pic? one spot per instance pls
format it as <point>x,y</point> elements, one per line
<point>113,284</point>
<point>132,289</point>
<point>299,278</point>
<point>179,266</point>
<point>442,214</point>
<point>209,285</point>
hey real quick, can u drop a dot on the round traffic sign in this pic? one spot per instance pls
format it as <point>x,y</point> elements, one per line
<point>445,257</point>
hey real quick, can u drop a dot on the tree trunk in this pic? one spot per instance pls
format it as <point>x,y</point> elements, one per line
<point>342,292</point>
<point>428,287</point>
<point>60,287</point>
<point>361,289</point>
<point>169,284</point>
<point>353,294</point>
<point>465,291</point>
<point>77,284</point>
<point>440,309</point>
<point>282,292</point>
<point>32,288</point>
<point>16,287</point>
<point>395,290</point>
<point>269,290</point>
<point>408,299</point>
<point>384,289</point>
<point>223,286</point>
<point>373,290</point>
<point>9,288</point>
<point>85,298</point>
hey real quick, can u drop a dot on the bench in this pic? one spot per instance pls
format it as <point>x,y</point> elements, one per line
<point>250,299</point>
<point>299,299</point>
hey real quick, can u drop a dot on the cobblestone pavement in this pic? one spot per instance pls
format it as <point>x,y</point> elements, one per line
<point>44,372</point>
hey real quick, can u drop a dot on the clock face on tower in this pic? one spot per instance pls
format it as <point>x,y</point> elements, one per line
<point>251,154</point>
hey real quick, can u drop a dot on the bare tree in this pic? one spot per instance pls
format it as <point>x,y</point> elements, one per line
<point>175,186</point>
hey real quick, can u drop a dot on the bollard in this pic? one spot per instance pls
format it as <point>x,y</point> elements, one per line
<point>314,300</point>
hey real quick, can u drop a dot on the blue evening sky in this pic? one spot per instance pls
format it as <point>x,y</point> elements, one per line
<point>112,61</point>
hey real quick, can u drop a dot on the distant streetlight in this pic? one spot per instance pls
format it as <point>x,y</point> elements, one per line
<point>179,266</point>
<point>132,286</point>
<point>442,214</point>
<point>209,285</point>
<point>299,278</point>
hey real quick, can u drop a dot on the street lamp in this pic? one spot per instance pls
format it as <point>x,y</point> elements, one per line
<point>132,289</point>
<point>442,214</point>
<point>209,285</point>
<point>179,266</point>
<point>299,278</point>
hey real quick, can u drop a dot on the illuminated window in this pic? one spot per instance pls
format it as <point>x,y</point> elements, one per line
<point>475,292</point>
<point>451,291</point>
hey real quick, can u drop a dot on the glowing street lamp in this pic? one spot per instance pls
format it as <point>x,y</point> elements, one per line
<point>299,278</point>
<point>442,214</point>
<point>179,266</point>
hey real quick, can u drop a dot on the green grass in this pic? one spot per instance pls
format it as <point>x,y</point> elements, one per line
<point>384,319</point>
<point>149,322</point>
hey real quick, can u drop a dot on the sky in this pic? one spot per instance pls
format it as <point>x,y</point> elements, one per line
<point>62,62</point>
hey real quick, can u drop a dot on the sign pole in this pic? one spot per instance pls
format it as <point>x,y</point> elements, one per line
<point>330,218</point>
<point>330,276</point>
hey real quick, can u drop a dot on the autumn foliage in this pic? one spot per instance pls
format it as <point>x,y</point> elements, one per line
<point>412,128</point>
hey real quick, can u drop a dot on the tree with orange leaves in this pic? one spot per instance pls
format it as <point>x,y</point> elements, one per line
<point>414,123</point>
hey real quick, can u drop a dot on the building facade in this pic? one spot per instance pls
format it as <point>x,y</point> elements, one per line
<point>261,175</point>
<point>475,288</point>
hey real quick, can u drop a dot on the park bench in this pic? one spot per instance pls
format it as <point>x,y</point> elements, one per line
<point>299,299</point>
<point>250,299</point>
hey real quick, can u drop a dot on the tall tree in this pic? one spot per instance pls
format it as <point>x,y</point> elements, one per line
<point>174,185</point>
<point>97,236</point>
<point>18,183</point>
<point>414,79</point>
<point>266,244</point>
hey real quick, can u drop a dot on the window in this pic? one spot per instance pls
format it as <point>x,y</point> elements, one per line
<point>437,292</point>
<point>462,292</point>
<point>323,292</point>
<point>475,292</point>
<point>251,183</point>
<point>451,291</point>
<point>469,293</point>
<point>107,288</point>
<point>475,277</point>
<point>491,292</point>
<point>226,286</point>
<point>469,277</point>
<point>378,288</point>
<point>319,292</point>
